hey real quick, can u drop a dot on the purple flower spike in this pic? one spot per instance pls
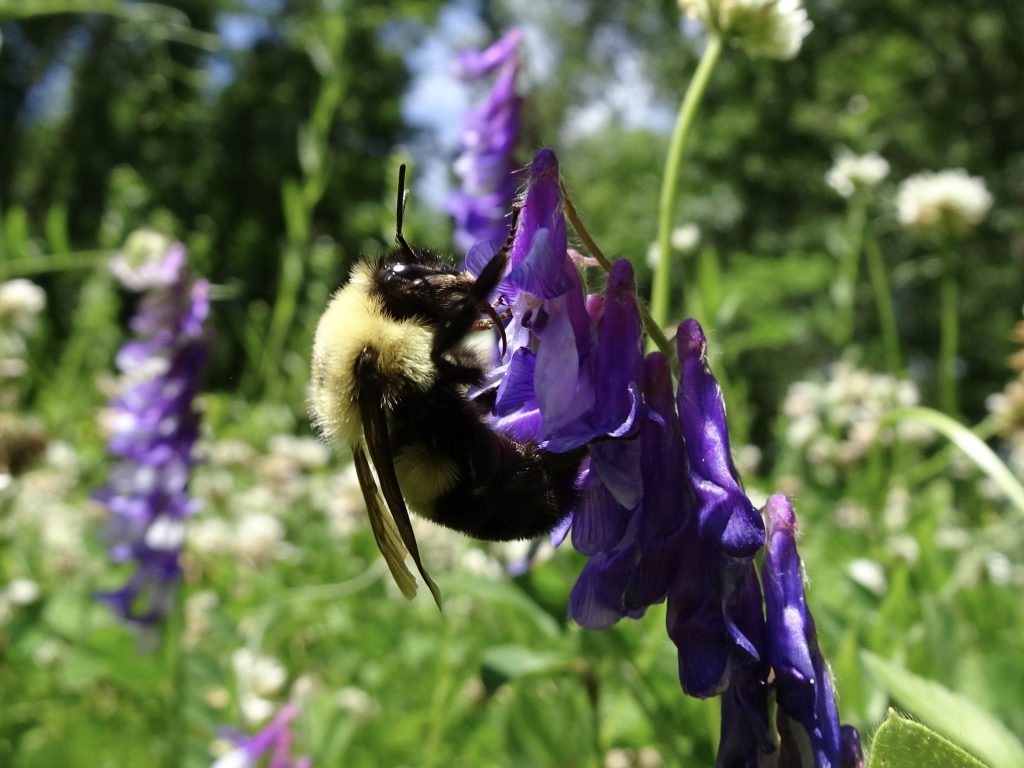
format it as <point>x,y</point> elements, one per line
<point>486,168</point>
<point>727,519</point>
<point>803,685</point>
<point>275,741</point>
<point>152,427</point>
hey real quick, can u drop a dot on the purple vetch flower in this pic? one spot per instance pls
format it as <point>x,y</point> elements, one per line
<point>710,614</point>
<point>661,512</point>
<point>152,426</point>
<point>567,377</point>
<point>726,519</point>
<point>808,720</point>
<point>485,166</point>
<point>850,753</point>
<point>273,742</point>
<point>633,538</point>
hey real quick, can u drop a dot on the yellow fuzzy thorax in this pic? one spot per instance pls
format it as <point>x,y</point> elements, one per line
<point>354,321</point>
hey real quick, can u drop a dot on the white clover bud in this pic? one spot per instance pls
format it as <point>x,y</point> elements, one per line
<point>952,198</point>
<point>851,172</point>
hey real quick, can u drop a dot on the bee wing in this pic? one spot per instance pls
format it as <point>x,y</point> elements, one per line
<point>378,445</point>
<point>388,541</point>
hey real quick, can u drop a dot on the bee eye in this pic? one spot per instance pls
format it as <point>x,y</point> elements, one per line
<point>404,273</point>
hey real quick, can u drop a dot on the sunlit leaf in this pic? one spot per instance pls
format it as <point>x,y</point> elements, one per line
<point>949,713</point>
<point>903,743</point>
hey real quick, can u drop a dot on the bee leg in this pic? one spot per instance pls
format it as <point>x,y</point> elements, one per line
<point>461,319</point>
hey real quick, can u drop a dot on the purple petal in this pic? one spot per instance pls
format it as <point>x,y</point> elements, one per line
<point>476,64</point>
<point>516,387</point>
<point>803,685</point>
<point>694,620</point>
<point>542,209</point>
<point>561,531</point>
<point>596,598</point>
<point>726,517</point>
<point>599,521</point>
<point>542,273</point>
<point>850,753</point>
<point>617,464</point>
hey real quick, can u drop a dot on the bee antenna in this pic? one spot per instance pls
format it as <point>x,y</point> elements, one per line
<point>403,195</point>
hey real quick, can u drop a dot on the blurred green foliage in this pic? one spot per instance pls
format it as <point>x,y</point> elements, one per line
<point>266,136</point>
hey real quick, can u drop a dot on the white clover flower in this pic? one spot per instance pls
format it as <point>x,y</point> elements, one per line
<point>148,260</point>
<point>685,238</point>
<point>852,172</point>
<point>653,256</point>
<point>258,673</point>
<point>345,506</point>
<point>307,452</point>
<point>257,537</point>
<point>22,592</point>
<point>869,574</point>
<point>479,563</point>
<point>999,568</point>
<point>20,301</point>
<point>928,201</point>
<point>905,546</point>
<point>773,29</point>
<point>255,709</point>
<point>210,535</point>
<point>356,702</point>
<point>952,537</point>
<point>197,616</point>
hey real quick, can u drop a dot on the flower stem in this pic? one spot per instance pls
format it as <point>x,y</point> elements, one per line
<point>949,329</point>
<point>883,304</point>
<point>670,181</point>
<point>174,631</point>
<point>846,284</point>
<point>654,332</point>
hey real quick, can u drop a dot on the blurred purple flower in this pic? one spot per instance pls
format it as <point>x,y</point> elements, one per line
<point>275,741</point>
<point>152,428</point>
<point>485,166</point>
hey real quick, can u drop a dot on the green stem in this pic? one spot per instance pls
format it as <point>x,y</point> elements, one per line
<point>174,631</point>
<point>846,285</point>
<point>61,262</point>
<point>654,332</point>
<point>670,181</point>
<point>879,277</point>
<point>949,332</point>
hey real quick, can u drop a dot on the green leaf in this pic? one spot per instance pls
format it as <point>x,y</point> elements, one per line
<point>503,593</point>
<point>903,743</point>
<point>968,442</point>
<point>949,713</point>
<point>57,229</point>
<point>20,8</point>
<point>509,662</point>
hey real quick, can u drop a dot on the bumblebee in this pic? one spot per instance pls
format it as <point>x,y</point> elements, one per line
<point>393,359</point>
